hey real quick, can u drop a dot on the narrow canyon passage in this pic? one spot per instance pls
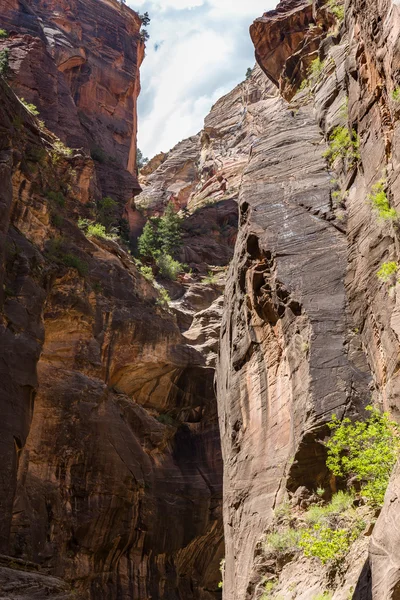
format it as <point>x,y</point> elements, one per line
<point>167,410</point>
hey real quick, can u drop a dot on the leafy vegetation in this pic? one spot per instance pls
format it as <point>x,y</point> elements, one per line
<point>169,267</point>
<point>30,107</point>
<point>249,72</point>
<point>326,543</point>
<point>365,451</point>
<point>107,212</point>
<point>147,272</point>
<point>164,298</point>
<point>282,542</point>
<point>323,596</point>
<point>4,61</point>
<point>387,270</point>
<point>59,252</point>
<point>343,145</point>
<point>316,68</point>
<point>141,161</point>
<point>56,197</point>
<point>337,8</point>
<point>318,514</point>
<point>98,155</point>
<point>98,230</point>
<point>396,94</point>
<point>161,240</point>
<point>380,202</point>
<point>3,34</point>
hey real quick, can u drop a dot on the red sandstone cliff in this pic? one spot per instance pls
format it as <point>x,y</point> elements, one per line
<point>308,328</point>
<point>78,63</point>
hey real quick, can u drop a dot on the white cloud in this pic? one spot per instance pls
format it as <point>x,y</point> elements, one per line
<point>198,51</point>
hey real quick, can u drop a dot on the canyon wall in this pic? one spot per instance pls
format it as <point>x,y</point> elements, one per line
<point>111,478</point>
<point>308,329</point>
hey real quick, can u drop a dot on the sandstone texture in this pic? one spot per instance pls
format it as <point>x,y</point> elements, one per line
<point>308,329</point>
<point>78,63</point>
<point>111,471</point>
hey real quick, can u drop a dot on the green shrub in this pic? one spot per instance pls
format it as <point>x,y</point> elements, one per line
<point>97,230</point>
<point>169,267</point>
<point>3,34</point>
<point>210,278</point>
<point>337,8</point>
<point>343,145</point>
<point>340,502</point>
<point>147,273</point>
<point>30,107</point>
<point>380,202</point>
<point>327,544</point>
<point>107,212</point>
<point>316,68</point>
<point>70,260</point>
<point>163,298</point>
<point>167,419</point>
<point>269,587</point>
<point>98,155</point>
<point>56,220</point>
<point>283,511</point>
<point>387,270</point>
<point>61,148</point>
<point>58,251</point>
<point>366,451</point>
<point>282,542</point>
<point>4,62</point>
<point>396,94</point>
<point>323,596</point>
<point>249,72</point>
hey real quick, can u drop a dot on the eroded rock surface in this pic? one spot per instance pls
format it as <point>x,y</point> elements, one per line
<point>111,473</point>
<point>308,328</point>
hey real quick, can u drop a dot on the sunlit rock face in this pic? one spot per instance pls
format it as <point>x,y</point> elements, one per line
<point>78,63</point>
<point>308,329</point>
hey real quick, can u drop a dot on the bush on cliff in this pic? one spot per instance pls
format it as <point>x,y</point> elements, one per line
<point>365,452</point>
<point>380,202</point>
<point>4,61</point>
<point>343,145</point>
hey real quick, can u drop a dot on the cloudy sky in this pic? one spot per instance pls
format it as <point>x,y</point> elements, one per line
<point>198,51</point>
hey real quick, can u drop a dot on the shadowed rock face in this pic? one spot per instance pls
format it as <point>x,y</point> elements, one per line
<point>86,88</point>
<point>110,483</point>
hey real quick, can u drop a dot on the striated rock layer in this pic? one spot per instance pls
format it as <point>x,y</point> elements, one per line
<point>308,329</point>
<point>110,479</point>
<point>78,63</point>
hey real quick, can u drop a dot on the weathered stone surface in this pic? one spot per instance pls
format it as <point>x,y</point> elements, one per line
<point>87,85</point>
<point>287,39</point>
<point>111,478</point>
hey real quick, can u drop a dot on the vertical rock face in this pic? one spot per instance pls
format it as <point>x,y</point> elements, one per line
<point>308,329</point>
<point>111,478</point>
<point>87,87</point>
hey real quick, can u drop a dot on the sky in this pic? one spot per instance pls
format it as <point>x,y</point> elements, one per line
<point>198,51</point>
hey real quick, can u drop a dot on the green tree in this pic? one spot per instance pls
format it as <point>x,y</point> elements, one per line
<point>145,19</point>
<point>141,161</point>
<point>249,72</point>
<point>161,235</point>
<point>149,242</point>
<point>170,231</point>
<point>4,61</point>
